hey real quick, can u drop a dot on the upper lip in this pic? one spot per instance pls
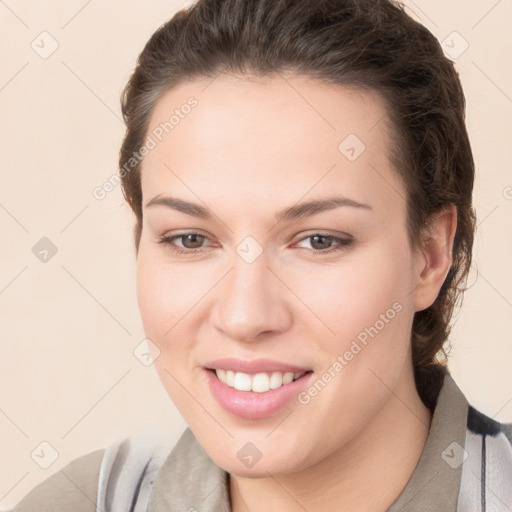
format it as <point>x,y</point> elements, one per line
<point>253,366</point>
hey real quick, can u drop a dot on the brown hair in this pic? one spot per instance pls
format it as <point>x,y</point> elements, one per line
<point>371,44</point>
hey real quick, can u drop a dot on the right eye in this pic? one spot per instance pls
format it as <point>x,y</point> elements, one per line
<point>190,238</point>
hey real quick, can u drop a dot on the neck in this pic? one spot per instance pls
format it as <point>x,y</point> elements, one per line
<point>367,475</point>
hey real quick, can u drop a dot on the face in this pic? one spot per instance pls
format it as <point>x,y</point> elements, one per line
<point>251,281</point>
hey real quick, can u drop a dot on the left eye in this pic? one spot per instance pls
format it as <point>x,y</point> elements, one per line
<point>322,239</point>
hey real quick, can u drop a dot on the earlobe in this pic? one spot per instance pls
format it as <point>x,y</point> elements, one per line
<point>435,257</point>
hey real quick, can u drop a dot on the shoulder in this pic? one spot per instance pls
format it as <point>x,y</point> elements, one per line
<point>74,487</point>
<point>480,424</point>
<point>128,470</point>
<point>115,477</point>
<point>487,464</point>
<point>490,443</point>
<point>156,473</point>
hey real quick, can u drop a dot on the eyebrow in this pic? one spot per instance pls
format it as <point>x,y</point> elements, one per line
<point>296,211</point>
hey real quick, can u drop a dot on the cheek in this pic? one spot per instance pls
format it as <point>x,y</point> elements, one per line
<point>164,294</point>
<point>171,301</point>
<point>352,294</point>
<point>154,298</point>
<point>369,307</point>
<point>165,298</point>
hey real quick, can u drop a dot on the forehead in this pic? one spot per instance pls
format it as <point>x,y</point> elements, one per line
<point>279,138</point>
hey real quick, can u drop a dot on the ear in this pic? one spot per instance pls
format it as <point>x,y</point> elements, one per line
<point>434,259</point>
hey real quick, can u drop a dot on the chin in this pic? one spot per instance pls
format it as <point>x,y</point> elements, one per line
<point>257,459</point>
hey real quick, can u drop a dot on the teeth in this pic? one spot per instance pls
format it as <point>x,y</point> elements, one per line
<point>259,383</point>
<point>287,378</point>
<point>242,381</point>
<point>276,380</point>
<point>230,378</point>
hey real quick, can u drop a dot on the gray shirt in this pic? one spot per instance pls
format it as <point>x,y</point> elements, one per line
<point>465,466</point>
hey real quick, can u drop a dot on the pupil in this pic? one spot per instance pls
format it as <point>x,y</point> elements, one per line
<point>320,236</point>
<point>194,238</point>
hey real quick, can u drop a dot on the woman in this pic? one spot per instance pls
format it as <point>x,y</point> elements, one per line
<point>301,178</point>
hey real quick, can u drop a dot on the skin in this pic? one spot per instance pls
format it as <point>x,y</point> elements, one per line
<point>251,147</point>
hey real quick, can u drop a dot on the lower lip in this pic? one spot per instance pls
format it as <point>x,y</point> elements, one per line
<point>252,405</point>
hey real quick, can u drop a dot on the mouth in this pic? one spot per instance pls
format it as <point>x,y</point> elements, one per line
<point>260,382</point>
<point>259,394</point>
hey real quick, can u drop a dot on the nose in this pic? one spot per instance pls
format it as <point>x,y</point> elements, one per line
<point>252,302</point>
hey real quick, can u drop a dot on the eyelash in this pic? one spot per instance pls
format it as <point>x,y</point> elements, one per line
<point>166,241</point>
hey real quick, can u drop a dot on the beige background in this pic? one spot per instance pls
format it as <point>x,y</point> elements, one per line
<point>69,326</point>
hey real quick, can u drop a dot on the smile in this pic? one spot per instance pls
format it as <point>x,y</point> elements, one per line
<point>259,382</point>
<point>255,389</point>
